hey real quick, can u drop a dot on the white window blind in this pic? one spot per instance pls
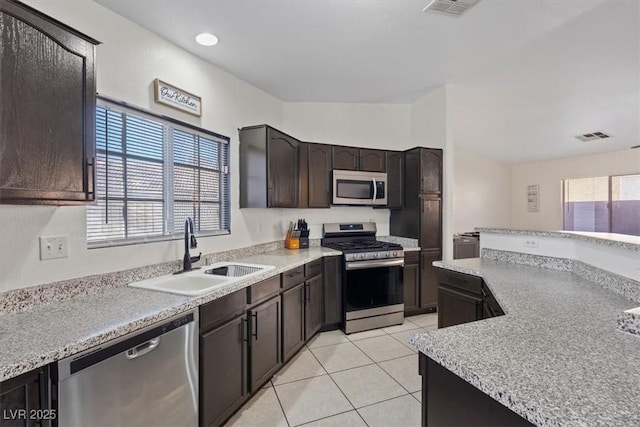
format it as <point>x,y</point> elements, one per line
<point>606,204</point>
<point>151,173</point>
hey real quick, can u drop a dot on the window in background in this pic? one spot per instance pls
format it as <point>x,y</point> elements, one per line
<point>153,172</point>
<point>603,204</point>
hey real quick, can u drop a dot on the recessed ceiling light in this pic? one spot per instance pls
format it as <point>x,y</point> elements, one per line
<point>207,39</point>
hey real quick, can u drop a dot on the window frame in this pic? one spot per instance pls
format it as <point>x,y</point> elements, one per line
<point>610,200</point>
<point>170,124</point>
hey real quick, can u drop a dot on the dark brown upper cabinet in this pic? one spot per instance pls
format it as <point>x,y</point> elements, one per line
<point>47,109</point>
<point>346,158</point>
<point>351,158</point>
<point>430,171</point>
<point>314,188</point>
<point>395,179</point>
<point>373,160</point>
<point>269,171</point>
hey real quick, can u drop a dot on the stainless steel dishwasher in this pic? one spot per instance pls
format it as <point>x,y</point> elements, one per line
<point>146,378</point>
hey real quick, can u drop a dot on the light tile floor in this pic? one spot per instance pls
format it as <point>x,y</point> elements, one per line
<point>365,379</point>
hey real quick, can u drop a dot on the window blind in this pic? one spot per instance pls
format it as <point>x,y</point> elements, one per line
<point>151,173</point>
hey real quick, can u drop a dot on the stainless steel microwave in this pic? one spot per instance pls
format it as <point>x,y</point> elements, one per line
<point>359,188</point>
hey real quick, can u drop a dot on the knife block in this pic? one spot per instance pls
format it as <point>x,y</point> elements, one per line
<point>291,242</point>
<point>304,239</point>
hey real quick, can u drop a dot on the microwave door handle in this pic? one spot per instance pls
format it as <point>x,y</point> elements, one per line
<point>375,191</point>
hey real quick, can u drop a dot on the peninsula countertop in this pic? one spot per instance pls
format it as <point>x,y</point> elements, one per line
<point>556,358</point>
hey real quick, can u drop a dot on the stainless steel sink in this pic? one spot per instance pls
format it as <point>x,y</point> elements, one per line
<point>202,281</point>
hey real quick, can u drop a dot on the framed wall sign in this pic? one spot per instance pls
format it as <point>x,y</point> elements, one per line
<point>177,98</point>
<point>533,198</point>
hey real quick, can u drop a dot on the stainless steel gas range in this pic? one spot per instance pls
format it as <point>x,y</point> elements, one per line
<point>371,276</point>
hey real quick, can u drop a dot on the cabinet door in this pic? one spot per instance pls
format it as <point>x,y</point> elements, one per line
<point>373,160</point>
<point>411,280</point>
<point>455,308</point>
<point>282,154</point>
<point>332,277</point>
<point>395,179</point>
<point>314,306</point>
<point>429,279</point>
<point>26,392</point>
<point>430,223</point>
<point>292,321</point>
<point>223,371</point>
<point>319,175</point>
<point>345,158</point>
<point>430,170</point>
<point>47,110</point>
<point>265,341</point>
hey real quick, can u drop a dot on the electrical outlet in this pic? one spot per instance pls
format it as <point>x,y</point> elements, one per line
<point>531,243</point>
<point>52,247</point>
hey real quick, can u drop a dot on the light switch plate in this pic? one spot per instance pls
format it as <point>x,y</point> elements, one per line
<point>52,247</point>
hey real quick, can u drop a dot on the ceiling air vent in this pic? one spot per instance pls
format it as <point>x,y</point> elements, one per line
<point>592,136</point>
<point>450,7</point>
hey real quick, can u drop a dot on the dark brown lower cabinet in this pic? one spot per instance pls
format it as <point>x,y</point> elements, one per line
<point>293,328</point>
<point>314,306</point>
<point>456,307</point>
<point>464,298</point>
<point>332,291</point>
<point>223,371</point>
<point>411,281</point>
<point>24,400</point>
<point>429,279</point>
<point>448,400</point>
<point>264,342</point>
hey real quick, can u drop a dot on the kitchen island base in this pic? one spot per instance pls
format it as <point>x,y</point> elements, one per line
<point>448,400</point>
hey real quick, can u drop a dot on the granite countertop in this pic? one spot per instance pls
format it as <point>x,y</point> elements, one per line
<point>46,333</point>
<point>624,241</point>
<point>556,357</point>
<point>408,244</point>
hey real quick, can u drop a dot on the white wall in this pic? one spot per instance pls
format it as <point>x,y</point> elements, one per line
<point>549,174</point>
<point>481,192</point>
<point>385,126</point>
<point>128,60</point>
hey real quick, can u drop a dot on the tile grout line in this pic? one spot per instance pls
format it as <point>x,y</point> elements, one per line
<point>392,377</point>
<point>286,419</point>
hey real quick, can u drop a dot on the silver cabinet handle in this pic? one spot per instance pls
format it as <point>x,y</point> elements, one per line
<point>142,349</point>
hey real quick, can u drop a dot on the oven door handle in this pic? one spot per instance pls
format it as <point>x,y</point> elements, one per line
<point>359,265</point>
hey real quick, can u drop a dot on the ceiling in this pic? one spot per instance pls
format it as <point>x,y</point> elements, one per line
<point>526,75</point>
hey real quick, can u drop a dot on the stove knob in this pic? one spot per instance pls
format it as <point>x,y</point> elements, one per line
<point>388,254</point>
<point>395,253</point>
<point>375,255</point>
<point>362,256</point>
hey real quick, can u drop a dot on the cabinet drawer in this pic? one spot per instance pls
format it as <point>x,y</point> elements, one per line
<point>313,268</point>
<point>465,282</point>
<point>263,290</point>
<point>222,309</point>
<point>293,277</point>
<point>412,257</point>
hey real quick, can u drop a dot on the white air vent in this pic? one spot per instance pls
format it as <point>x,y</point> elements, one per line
<point>592,136</point>
<point>450,7</point>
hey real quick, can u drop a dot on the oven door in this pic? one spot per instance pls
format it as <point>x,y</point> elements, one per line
<point>359,188</point>
<point>372,285</point>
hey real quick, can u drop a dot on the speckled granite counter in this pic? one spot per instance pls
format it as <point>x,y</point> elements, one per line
<point>624,241</point>
<point>407,244</point>
<point>556,358</point>
<point>46,333</point>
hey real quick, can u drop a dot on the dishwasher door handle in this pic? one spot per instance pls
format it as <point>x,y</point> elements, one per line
<point>142,349</point>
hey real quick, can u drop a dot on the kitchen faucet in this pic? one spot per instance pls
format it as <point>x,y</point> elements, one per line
<point>189,242</point>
